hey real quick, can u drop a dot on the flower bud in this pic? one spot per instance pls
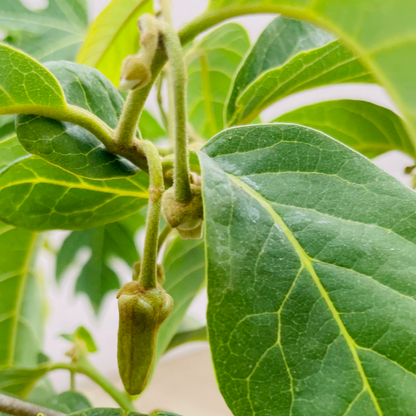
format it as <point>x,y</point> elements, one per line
<point>142,311</point>
<point>185,217</point>
<point>135,73</point>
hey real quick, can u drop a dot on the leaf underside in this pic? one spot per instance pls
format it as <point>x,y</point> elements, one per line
<point>184,264</point>
<point>282,39</point>
<point>67,145</point>
<point>314,312</point>
<point>212,63</point>
<point>368,128</point>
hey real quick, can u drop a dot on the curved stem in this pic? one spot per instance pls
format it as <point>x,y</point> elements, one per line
<point>18,407</point>
<point>149,263</point>
<point>85,367</point>
<point>163,235</point>
<point>181,175</point>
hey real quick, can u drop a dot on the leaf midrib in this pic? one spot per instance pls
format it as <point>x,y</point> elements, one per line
<point>307,264</point>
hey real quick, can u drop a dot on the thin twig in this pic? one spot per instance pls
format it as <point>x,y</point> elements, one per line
<point>18,407</point>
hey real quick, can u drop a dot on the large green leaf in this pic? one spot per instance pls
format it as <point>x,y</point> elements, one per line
<point>366,127</point>
<point>97,276</point>
<point>21,296</point>
<point>67,145</point>
<point>21,311</point>
<point>282,39</point>
<point>330,64</point>
<point>39,196</point>
<point>184,265</point>
<point>113,36</point>
<point>41,90</point>
<point>311,255</point>
<point>381,32</point>
<point>50,34</point>
<point>212,64</point>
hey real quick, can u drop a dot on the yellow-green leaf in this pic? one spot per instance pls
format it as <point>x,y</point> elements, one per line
<point>113,36</point>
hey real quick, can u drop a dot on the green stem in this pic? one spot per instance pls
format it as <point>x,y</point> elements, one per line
<point>72,379</point>
<point>160,101</point>
<point>84,367</point>
<point>163,235</point>
<point>148,264</point>
<point>181,175</point>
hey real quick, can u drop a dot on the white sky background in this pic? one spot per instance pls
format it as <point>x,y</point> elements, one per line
<point>67,312</point>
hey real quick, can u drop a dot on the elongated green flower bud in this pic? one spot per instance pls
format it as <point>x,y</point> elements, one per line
<point>142,311</point>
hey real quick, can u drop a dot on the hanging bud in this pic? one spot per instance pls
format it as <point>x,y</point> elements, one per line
<point>135,73</point>
<point>142,311</point>
<point>185,217</point>
<point>136,69</point>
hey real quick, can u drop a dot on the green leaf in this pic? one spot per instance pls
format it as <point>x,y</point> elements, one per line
<point>40,196</point>
<point>150,127</point>
<point>282,39</point>
<point>41,89</point>
<point>381,32</point>
<point>85,336</point>
<point>6,126</point>
<point>162,413</point>
<point>21,295</point>
<point>184,264</point>
<point>366,127</point>
<point>189,330</point>
<point>11,150</point>
<point>113,36</point>
<point>19,381</point>
<point>114,240</point>
<point>66,402</point>
<point>67,145</point>
<point>212,64</point>
<point>311,275</point>
<point>49,34</point>
<point>105,411</point>
<point>21,311</point>
<point>330,64</point>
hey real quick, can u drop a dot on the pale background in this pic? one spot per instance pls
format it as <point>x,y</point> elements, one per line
<point>184,381</point>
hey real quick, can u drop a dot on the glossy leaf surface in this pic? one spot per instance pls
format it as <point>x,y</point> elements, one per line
<point>366,127</point>
<point>67,145</point>
<point>311,276</point>
<point>115,240</point>
<point>184,264</point>
<point>330,64</point>
<point>382,32</point>
<point>53,33</point>
<point>41,89</point>
<point>282,39</point>
<point>113,36</point>
<point>39,196</point>
<point>212,63</point>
